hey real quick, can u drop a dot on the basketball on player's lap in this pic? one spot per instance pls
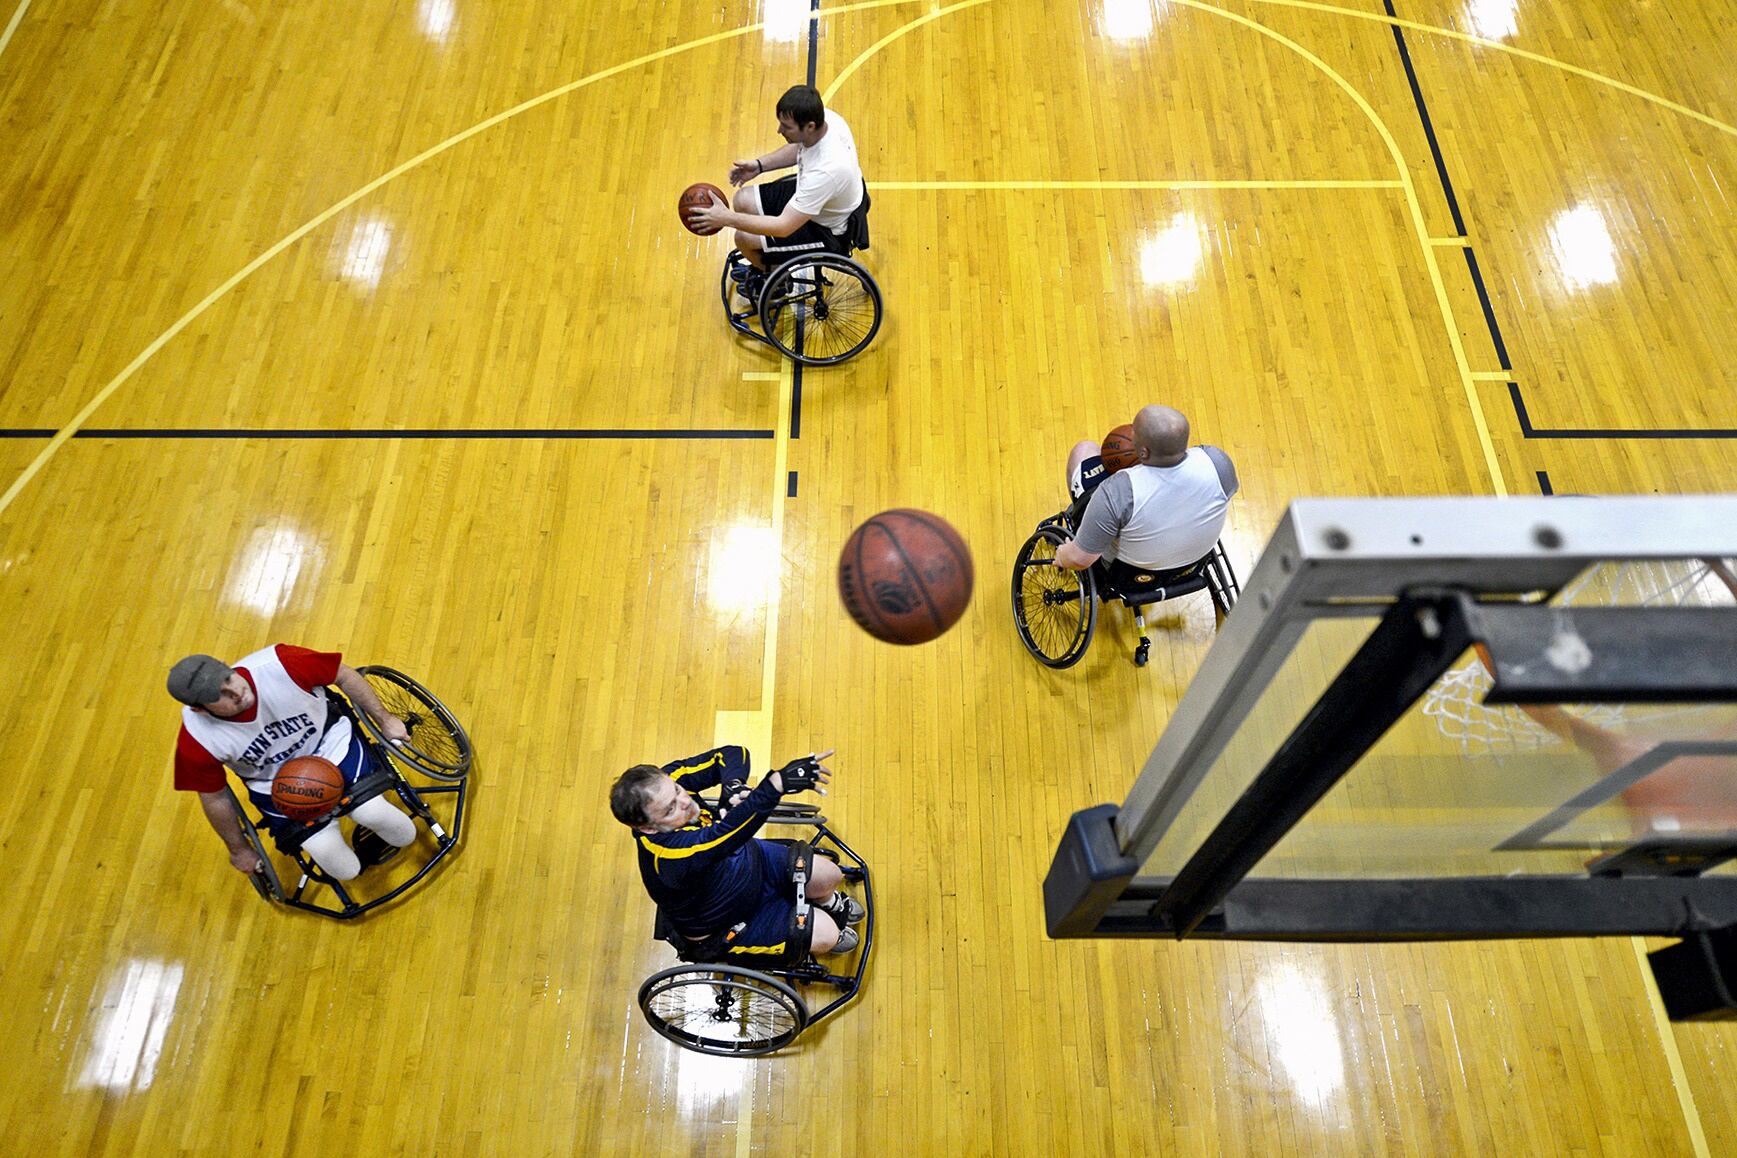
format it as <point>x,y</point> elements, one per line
<point>1117,449</point>
<point>905,576</point>
<point>698,196</point>
<point>307,788</point>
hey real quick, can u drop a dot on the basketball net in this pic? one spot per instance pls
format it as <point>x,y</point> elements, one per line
<point>1456,701</point>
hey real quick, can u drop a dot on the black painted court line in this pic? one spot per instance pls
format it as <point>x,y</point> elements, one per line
<point>790,486</point>
<point>796,368</point>
<point>1544,487</point>
<point>552,433</point>
<point>1529,431</point>
<point>1447,188</point>
<point>813,40</point>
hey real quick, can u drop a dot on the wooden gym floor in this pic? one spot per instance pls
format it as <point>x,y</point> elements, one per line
<point>1432,247</point>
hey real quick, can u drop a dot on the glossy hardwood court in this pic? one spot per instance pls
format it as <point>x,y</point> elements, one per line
<point>369,326</point>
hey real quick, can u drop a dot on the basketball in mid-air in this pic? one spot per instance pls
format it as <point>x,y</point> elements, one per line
<point>1117,450</point>
<point>905,576</point>
<point>307,788</point>
<point>698,196</point>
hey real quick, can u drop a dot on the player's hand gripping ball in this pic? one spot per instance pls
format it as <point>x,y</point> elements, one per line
<point>905,576</point>
<point>698,196</point>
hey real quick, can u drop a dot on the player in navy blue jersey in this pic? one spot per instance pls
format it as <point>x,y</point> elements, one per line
<point>717,883</point>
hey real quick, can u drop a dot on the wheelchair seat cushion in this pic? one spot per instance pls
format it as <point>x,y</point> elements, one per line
<point>1138,586</point>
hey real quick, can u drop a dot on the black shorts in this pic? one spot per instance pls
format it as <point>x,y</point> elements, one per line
<point>810,238</point>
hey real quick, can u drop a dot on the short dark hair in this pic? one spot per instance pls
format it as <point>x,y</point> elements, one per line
<point>632,792</point>
<point>802,104</point>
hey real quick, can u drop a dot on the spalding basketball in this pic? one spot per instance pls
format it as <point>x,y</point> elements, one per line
<point>698,196</point>
<point>905,576</point>
<point>1118,449</point>
<point>307,788</point>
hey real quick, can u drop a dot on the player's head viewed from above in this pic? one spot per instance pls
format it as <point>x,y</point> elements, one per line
<point>647,800</point>
<point>1160,436</point>
<point>207,684</point>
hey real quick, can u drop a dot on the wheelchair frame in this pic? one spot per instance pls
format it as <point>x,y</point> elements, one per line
<point>734,985</point>
<point>1212,573</point>
<point>389,761</point>
<point>798,290</point>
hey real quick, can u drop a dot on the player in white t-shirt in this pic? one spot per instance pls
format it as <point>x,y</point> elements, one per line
<point>272,706</point>
<point>779,219</point>
<point>1164,512</point>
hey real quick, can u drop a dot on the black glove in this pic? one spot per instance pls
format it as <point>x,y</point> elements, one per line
<point>800,774</point>
<point>731,793</point>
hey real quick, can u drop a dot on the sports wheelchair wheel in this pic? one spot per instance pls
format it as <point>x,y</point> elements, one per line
<point>438,746</point>
<point>820,309</point>
<point>1055,608</point>
<point>723,1010</point>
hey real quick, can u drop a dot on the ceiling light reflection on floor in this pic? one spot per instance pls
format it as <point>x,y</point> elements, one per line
<point>786,21</point>
<point>1172,257</point>
<point>1302,1031</point>
<point>364,258</point>
<point>1584,249</point>
<point>742,569</point>
<point>1493,19</point>
<point>1127,19</point>
<point>136,1012</point>
<point>436,19</point>
<point>271,565</point>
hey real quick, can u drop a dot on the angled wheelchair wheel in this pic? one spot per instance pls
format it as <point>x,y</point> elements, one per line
<point>1054,607</point>
<point>723,1010</point>
<point>438,746</point>
<point>820,309</point>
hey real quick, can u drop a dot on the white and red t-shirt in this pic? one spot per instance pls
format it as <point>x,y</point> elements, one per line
<point>289,718</point>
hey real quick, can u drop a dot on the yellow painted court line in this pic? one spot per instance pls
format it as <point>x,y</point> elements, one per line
<point>924,186</point>
<point>826,97</point>
<point>66,432</point>
<point>1673,1056</point>
<point>1423,237</point>
<point>12,25</point>
<point>1497,45</point>
<point>1491,375</point>
<point>753,728</point>
<point>1453,242</point>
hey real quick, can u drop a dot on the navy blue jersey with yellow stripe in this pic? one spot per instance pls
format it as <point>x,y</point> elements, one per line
<point>708,876</point>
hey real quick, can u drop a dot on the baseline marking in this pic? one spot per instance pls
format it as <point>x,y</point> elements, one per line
<point>1063,186</point>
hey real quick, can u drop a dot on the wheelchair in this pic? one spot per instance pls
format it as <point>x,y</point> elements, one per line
<point>818,309</point>
<point>1055,608</point>
<point>728,1010</point>
<point>438,752</point>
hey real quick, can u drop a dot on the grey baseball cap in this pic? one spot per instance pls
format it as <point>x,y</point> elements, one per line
<point>198,680</point>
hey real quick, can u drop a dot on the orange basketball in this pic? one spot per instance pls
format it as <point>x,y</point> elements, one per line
<point>1118,449</point>
<point>905,576</point>
<point>698,195</point>
<point>307,788</point>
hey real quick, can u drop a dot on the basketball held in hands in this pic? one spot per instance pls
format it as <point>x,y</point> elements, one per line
<point>698,196</point>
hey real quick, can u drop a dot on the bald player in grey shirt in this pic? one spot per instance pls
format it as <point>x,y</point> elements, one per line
<point>1165,511</point>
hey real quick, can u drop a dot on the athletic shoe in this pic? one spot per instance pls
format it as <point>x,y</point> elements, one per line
<point>844,910</point>
<point>848,940</point>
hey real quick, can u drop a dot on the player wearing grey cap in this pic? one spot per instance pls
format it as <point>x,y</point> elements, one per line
<point>270,707</point>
